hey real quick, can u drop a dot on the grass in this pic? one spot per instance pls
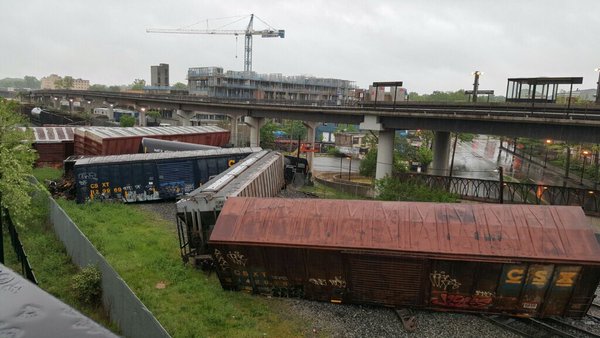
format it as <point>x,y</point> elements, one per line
<point>144,250</point>
<point>51,264</point>
<point>47,173</point>
<point>326,192</point>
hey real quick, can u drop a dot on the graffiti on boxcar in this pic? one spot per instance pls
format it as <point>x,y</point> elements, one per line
<point>237,258</point>
<point>442,281</point>
<point>87,176</point>
<point>477,301</point>
<point>484,293</point>
<point>288,292</point>
<point>221,261</point>
<point>337,281</point>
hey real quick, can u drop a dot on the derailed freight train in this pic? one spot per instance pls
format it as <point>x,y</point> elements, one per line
<point>258,175</point>
<point>150,177</point>
<point>520,260</point>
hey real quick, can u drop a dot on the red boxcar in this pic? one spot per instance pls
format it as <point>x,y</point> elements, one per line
<point>521,260</point>
<point>53,144</point>
<point>102,141</point>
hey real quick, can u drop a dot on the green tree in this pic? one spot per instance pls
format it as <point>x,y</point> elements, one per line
<point>138,84</point>
<point>16,160</point>
<point>67,82</point>
<point>32,82</point>
<point>368,165</point>
<point>98,87</point>
<point>392,189</point>
<point>267,138</point>
<point>127,121</point>
<point>59,84</point>
<point>180,86</point>
<point>114,89</point>
<point>295,129</point>
<point>424,156</point>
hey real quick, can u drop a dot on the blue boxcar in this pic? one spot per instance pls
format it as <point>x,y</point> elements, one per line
<point>150,177</point>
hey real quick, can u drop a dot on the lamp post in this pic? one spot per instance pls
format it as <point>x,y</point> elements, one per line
<point>476,74</point>
<point>349,167</point>
<point>585,153</point>
<point>341,161</point>
<point>598,86</point>
<point>548,143</point>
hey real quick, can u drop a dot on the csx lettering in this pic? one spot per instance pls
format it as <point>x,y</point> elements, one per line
<point>231,162</point>
<point>540,277</point>
<point>105,184</point>
<point>94,185</point>
<point>514,276</point>
<point>566,278</point>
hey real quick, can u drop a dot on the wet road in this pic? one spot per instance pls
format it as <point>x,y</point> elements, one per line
<point>480,158</point>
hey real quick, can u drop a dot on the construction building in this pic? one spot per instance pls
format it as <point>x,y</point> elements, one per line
<point>213,82</point>
<point>159,75</point>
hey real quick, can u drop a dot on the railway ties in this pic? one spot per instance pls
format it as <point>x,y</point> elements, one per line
<point>530,327</point>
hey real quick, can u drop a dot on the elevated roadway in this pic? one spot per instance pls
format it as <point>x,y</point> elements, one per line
<point>574,124</point>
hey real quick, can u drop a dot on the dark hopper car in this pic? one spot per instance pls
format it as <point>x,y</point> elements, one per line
<point>148,177</point>
<point>520,260</point>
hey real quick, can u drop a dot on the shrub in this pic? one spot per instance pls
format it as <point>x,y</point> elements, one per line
<point>87,286</point>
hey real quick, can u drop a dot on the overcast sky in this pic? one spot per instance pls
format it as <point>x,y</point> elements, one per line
<point>430,45</point>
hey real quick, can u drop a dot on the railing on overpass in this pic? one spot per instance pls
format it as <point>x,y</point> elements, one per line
<point>512,192</point>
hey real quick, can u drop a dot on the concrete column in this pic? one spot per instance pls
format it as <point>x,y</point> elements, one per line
<point>111,113</point>
<point>311,127</point>
<point>441,153</point>
<point>385,154</point>
<point>184,117</point>
<point>234,129</point>
<point>142,118</point>
<point>56,102</point>
<point>255,123</point>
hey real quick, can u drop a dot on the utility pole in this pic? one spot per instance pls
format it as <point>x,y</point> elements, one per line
<point>501,182</point>
<point>476,84</point>
<point>598,86</point>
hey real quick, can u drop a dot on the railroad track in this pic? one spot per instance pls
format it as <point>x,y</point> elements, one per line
<point>547,327</point>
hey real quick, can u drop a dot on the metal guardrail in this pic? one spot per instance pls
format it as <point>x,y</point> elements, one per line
<point>512,192</point>
<point>17,245</point>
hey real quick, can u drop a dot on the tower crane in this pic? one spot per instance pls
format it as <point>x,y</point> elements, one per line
<point>248,33</point>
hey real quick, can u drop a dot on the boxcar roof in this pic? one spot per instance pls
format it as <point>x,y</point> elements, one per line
<point>164,156</point>
<point>445,230</point>
<point>52,134</point>
<point>118,132</point>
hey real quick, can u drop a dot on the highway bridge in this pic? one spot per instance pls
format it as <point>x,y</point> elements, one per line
<point>531,120</point>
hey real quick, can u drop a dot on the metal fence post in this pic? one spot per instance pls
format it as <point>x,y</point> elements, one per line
<point>501,182</point>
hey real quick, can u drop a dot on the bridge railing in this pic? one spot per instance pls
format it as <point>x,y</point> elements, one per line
<point>512,192</point>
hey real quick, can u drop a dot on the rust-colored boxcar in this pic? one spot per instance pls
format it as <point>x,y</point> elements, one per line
<point>53,145</point>
<point>103,141</point>
<point>521,260</point>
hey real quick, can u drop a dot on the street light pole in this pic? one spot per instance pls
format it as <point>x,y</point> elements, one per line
<point>598,86</point>
<point>585,153</point>
<point>548,142</point>
<point>349,167</point>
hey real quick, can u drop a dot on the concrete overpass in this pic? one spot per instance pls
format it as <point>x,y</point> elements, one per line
<point>540,121</point>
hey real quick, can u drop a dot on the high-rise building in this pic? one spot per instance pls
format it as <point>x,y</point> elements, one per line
<point>159,75</point>
<point>213,82</point>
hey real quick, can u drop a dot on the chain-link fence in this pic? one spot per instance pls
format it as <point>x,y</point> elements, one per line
<point>126,310</point>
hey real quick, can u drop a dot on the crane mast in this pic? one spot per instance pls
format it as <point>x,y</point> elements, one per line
<point>248,33</point>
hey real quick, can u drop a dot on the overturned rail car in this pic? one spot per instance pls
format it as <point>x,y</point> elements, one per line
<point>150,177</point>
<point>520,260</point>
<point>258,175</point>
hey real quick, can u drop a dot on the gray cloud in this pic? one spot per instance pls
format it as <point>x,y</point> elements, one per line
<point>430,45</point>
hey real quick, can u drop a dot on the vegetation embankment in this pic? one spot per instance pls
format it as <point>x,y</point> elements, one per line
<point>53,269</point>
<point>144,250</point>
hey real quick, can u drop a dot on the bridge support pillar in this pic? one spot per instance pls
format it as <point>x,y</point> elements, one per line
<point>111,113</point>
<point>441,153</point>
<point>184,117</point>
<point>235,118</point>
<point>385,146</point>
<point>311,128</point>
<point>385,154</point>
<point>255,123</point>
